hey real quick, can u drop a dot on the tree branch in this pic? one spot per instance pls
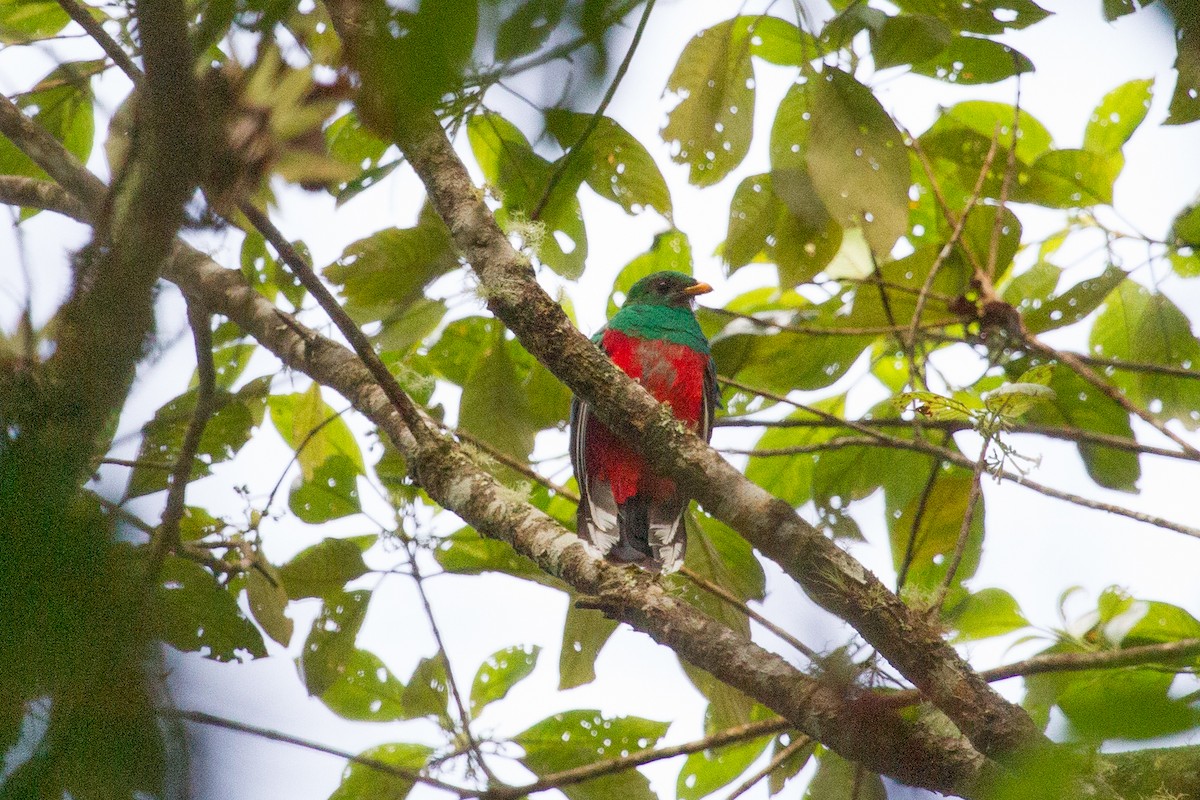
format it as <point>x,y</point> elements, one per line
<point>201,718</point>
<point>831,577</point>
<point>568,777</point>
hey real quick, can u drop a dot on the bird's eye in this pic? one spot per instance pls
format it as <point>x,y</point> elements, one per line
<point>663,286</point>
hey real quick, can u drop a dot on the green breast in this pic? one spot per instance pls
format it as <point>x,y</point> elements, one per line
<point>676,325</point>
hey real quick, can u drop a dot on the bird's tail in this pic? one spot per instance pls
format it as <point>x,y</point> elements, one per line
<point>650,534</point>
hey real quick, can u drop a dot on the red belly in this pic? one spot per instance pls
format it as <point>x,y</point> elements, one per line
<point>673,374</point>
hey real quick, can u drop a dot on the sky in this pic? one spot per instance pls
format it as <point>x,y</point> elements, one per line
<point>1036,546</point>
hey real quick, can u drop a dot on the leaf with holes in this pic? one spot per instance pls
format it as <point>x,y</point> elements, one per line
<point>619,168</point>
<point>575,738</point>
<point>585,632</point>
<point>1118,116</point>
<point>924,532</point>
<point>1143,327</point>
<point>197,615</point>
<point>428,692</point>
<point>228,429</point>
<point>330,644</point>
<point>268,601</point>
<point>501,671</point>
<point>970,60</point>
<point>908,39</point>
<point>315,431</point>
<point>710,128</point>
<point>325,568</point>
<point>361,779</point>
<point>857,160</point>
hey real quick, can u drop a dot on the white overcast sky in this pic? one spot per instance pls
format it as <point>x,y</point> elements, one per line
<point>1036,547</point>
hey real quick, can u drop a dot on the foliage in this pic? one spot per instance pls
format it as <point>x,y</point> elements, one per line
<point>890,269</point>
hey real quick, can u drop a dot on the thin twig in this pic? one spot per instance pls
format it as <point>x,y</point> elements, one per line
<point>416,421</point>
<point>573,152</point>
<point>964,532</point>
<point>910,341</point>
<point>1136,366</point>
<point>568,777</point>
<point>1081,369</point>
<point>783,755</point>
<point>514,464</point>
<point>817,330</point>
<point>275,736</point>
<point>455,693</point>
<point>953,457</point>
<point>910,547</point>
<point>82,17</point>
<point>739,604</point>
<point>837,443</point>
<point>1074,435</point>
<point>167,540</point>
<point>1141,655</point>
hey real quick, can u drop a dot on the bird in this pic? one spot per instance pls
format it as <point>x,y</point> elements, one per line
<point>627,511</point>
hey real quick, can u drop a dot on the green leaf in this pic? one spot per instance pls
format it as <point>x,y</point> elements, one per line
<point>752,218</point>
<point>235,417</point>
<point>670,250</point>
<point>1014,399</point>
<point>268,601</point>
<point>527,28</point>
<point>934,406</point>
<point>1143,327</point>
<point>330,644</point>
<point>1078,404</point>
<point>1158,623</point>
<point>522,177</point>
<point>857,160</point>
<point>908,39</point>
<point>1185,229</point>
<point>1069,307</point>
<point>839,779</point>
<point>979,16</point>
<point>618,166</point>
<point>404,331</point>
<point>575,738</point>
<point>710,128</point>
<point>791,477</point>
<point>706,771</point>
<point>325,568</point>
<point>361,780</point>
<point>1070,179</point>
<point>782,361</point>
<point>365,690</point>
<point>722,556</point>
<point>330,493</point>
<point>1185,101</point>
<point>585,632</point>
<point>1125,704</point>
<point>197,615</point>
<point>61,103</point>
<point>1114,9</point>
<point>969,60</point>
<point>315,431</point>
<point>791,766</point>
<point>1118,116</point>
<point>383,275</point>
<point>984,614</point>
<point>777,41</point>
<point>350,141</point>
<point>502,670</point>
<point>465,552</point>
<point>26,21</point>
<point>494,405</point>
<point>926,528</point>
<point>428,692</point>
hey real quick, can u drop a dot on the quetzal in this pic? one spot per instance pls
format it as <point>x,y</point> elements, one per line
<point>628,512</point>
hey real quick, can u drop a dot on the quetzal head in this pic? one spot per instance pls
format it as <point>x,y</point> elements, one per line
<point>666,288</point>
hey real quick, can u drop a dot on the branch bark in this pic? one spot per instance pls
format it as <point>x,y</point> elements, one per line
<point>832,578</point>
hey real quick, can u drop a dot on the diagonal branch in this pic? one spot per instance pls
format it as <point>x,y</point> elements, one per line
<point>831,577</point>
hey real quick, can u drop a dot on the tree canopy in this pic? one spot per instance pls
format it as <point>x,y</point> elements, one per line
<point>909,316</point>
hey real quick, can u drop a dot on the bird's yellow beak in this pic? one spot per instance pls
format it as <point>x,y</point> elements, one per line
<point>699,288</point>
